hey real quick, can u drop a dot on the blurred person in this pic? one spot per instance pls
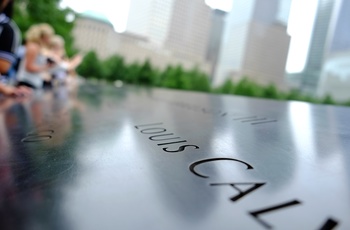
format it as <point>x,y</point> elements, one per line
<point>9,41</point>
<point>13,91</point>
<point>35,66</point>
<point>64,65</point>
<point>9,37</point>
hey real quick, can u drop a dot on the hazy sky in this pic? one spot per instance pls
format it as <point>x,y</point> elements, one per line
<point>116,11</point>
<point>300,24</point>
<point>300,21</point>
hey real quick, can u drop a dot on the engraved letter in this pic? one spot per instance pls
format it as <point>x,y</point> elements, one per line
<point>195,164</point>
<point>329,225</point>
<point>137,126</point>
<point>256,214</point>
<point>153,131</point>
<point>170,143</point>
<point>155,137</point>
<point>180,149</point>
<point>241,193</point>
<point>38,136</point>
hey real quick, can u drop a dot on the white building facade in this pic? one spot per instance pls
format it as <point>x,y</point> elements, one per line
<point>93,32</point>
<point>90,30</point>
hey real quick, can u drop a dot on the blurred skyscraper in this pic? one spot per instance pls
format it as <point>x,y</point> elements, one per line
<point>334,78</point>
<point>151,19</point>
<point>341,38</point>
<point>180,26</point>
<point>323,35</point>
<point>255,42</point>
<point>189,31</point>
<point>215,38</point>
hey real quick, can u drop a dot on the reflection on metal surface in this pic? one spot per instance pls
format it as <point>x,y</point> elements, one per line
<point>300,119</point>
<point>101,157</point>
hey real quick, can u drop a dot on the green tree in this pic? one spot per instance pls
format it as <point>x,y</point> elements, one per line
<point>163,76</point>
<point>90,67</point>
<point>346,103</point>
<point>294,94</point>
<point>114,68</point>
<point>146,75</point>
<point>226,88</point>
<point>29,12</point>
<point>328,100</point>
<point>271,92</point>
<point>171,78</point>
<point>246,87</point>
<point>199,81</point>
<point>132,73</point>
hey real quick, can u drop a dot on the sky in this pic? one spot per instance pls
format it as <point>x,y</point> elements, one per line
<point>299,26</point>
<point>224,5</point>
<point>116,11</point>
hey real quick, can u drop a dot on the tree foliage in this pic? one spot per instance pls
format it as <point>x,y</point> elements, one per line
<point>175,77</point>
<point>30,12</point>
<point>114,68</point>
<point>91,67</point>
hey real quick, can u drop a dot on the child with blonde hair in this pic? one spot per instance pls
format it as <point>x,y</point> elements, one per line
<point>36,65</point>
<point>64,65</point>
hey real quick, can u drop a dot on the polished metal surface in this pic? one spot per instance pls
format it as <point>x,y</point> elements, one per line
<point>102,157</point>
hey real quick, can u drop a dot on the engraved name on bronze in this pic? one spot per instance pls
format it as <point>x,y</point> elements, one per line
<point>158,133</point>
<point>169,142</point>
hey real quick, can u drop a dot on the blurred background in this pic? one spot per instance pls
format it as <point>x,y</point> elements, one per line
<point>281,49</point>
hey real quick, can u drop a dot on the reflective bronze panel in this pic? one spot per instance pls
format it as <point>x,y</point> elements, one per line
<point>101,157</point>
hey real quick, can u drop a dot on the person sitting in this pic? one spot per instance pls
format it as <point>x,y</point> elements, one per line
<point>64,65</point>
<point>35,65</point>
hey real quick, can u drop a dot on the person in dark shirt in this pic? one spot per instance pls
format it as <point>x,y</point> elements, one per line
<point>9,37</point>
<point>9,42</point>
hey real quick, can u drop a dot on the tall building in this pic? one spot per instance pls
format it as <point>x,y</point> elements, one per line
<point>180,26</point>
<point>341,37</point>
<point>215,38</point>
<point>321,42</point>
<point>150,18</point>
<point>189,29</point>
<point>335,76</point>
<point>255,43</point>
